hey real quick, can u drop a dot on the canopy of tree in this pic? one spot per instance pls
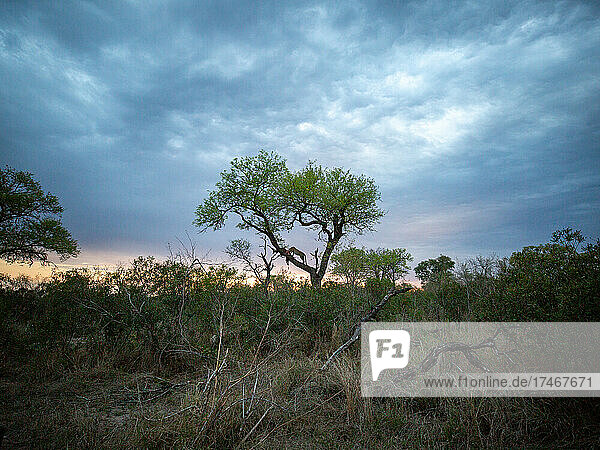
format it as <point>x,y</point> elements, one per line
<point>358,264</point>
<point>433,269</point>
<point>270,199</point>
<point>30,221</point>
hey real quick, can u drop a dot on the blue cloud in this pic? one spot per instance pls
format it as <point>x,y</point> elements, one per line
<point>478,121</point>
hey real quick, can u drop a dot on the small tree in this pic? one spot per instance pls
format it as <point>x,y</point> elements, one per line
<point>30,221</point>
<point>388,264</point>
<point>434,269</point>
<point>357,264</point>
<point>268,198</point>
<point>350,264</point>
<point>241,250</point>
<point>478,278</point>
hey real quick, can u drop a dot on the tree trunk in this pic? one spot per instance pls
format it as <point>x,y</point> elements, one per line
<point>315,280</point>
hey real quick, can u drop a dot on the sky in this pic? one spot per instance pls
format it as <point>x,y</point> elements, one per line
<point>479,121</point>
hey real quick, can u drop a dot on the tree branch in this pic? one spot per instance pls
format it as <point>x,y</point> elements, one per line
<point>368,317</point>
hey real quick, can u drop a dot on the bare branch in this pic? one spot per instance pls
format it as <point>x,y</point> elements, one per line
<point>368,317</point>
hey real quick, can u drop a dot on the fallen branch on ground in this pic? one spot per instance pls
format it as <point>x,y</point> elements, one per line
<point>370,316</point>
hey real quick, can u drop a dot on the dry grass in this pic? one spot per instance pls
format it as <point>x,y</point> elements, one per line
<point>282,401</point>
<point>267,392</point>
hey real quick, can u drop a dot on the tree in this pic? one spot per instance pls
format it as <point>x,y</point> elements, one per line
<point>241,250</point>
<point>350,264</point>
<point>30,221</point>
<point>269,199</point>
<point>434,269</point>
<point>357,264</point>
<point>478,277</point>
<point>388,264</point>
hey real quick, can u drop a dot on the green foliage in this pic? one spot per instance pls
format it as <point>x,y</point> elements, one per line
<point>378,287</point>
<point>434,269</point>
<point>251,189</point>
<point>553,281</point>
<point>388,264</point>
<point>325,199</point>
<point>269,199</point>
<point>357,265</point>
<point>350,264</point>
<point>159,311</point>
<point>30,225</point>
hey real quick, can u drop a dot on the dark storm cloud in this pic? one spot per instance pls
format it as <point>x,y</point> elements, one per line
<point>479,122</point>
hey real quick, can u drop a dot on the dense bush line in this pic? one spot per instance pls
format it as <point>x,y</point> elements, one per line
<point>159,311</point>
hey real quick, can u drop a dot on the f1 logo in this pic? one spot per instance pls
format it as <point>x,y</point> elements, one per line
<point>388,350</point>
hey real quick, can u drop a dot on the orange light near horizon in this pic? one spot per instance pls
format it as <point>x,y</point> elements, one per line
<point>38,271</point>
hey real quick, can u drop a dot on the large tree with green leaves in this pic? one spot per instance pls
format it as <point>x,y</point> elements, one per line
<point>270,199</point>
<point>30,221</point>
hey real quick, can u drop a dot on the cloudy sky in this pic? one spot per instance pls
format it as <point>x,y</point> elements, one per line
<point>479,122</point>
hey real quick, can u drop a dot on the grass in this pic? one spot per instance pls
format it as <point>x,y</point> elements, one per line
<point>282,400</point>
